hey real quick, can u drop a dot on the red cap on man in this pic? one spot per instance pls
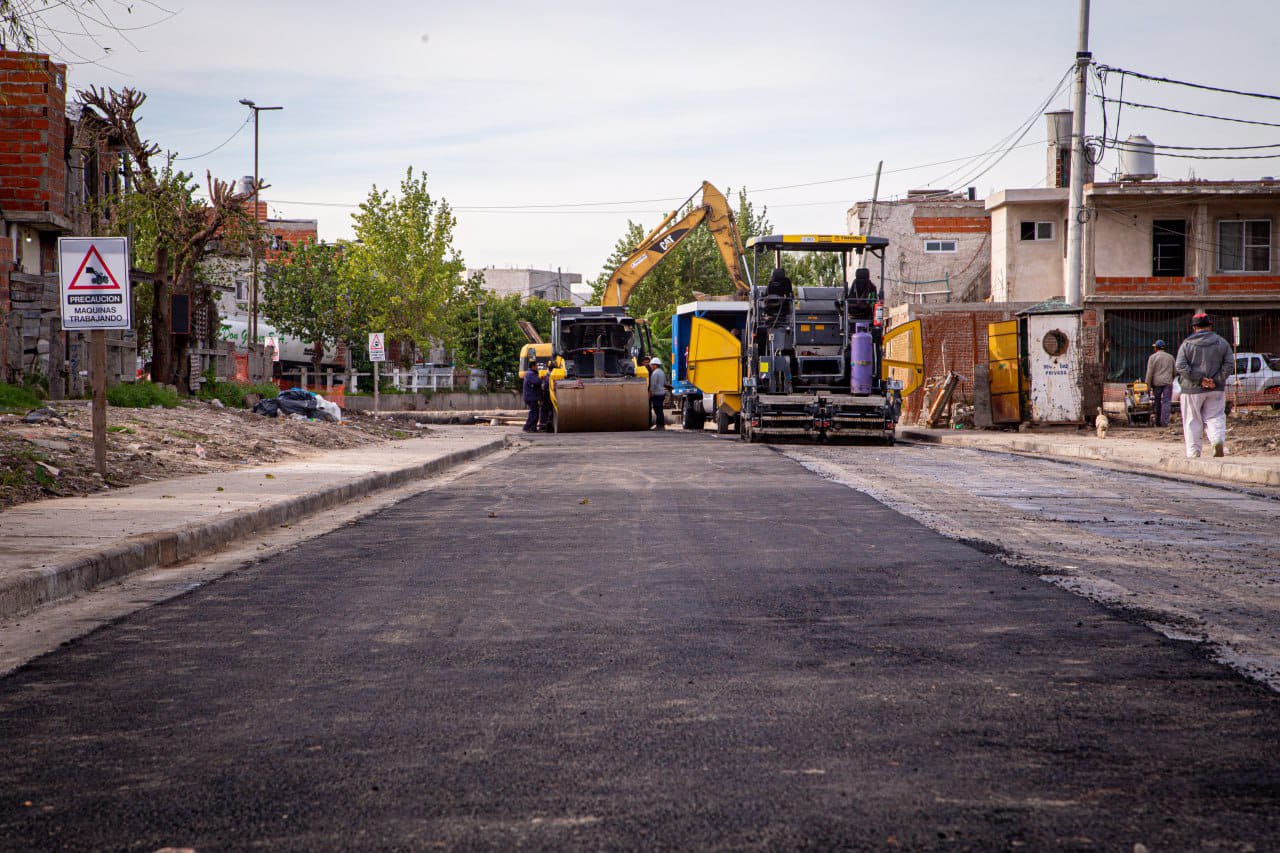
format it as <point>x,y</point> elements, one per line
<point>1201,321</point>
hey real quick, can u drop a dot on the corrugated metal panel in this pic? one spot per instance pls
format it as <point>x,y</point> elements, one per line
<point>1005,376</point>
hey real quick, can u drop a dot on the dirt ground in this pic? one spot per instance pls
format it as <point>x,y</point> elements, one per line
<point>54,457</point>
<point>1250,432</point>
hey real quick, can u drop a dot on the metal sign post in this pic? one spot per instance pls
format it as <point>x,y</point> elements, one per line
<point>377,354</point>
<point>93,278</point>
<point>1235,346</point>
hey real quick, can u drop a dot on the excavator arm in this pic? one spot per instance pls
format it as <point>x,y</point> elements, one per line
<point>653,249</point>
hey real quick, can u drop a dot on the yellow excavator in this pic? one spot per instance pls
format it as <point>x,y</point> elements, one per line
<point>716,213</point>
<point>599,368</point>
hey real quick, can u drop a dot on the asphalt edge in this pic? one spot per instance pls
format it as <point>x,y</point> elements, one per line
<point>1228,471</point>
<point>37,587</point>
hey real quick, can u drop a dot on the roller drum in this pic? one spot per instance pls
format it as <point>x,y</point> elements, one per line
<point>601,405</point>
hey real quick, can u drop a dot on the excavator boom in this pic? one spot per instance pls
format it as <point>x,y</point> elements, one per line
<point>717,215</point>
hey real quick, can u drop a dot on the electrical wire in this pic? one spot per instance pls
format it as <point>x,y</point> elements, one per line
<point>561,207</point>
<point>1188,113</point>
<point>1213,147</point>
<point>1154,79</point>
<point>219,147</point>
<point>1207,156</point>
<point>1020,132</point>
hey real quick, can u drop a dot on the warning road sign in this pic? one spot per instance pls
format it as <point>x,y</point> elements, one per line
<point>94,277</point>
<point>377,349</point>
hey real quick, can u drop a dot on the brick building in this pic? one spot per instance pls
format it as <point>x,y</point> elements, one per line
<point>939,245</point>
<point>227,270</point>
<point>54,161</point>
<point>1155,252</point>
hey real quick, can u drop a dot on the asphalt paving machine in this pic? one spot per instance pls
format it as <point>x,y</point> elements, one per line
<point>814,362</point>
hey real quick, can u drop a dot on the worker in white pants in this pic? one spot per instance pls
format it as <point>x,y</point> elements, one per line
<point>1202,414</point>
<point>1203,364</point>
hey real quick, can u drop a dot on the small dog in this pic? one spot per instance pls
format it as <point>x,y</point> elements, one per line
<point>1101,423</point>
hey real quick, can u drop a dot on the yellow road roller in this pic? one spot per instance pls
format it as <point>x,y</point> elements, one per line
<point>598,379</point>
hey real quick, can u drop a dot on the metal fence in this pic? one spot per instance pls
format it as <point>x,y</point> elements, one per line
<point>1130,334</point>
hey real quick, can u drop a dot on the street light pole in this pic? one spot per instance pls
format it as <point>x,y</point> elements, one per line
<point>253,240</point>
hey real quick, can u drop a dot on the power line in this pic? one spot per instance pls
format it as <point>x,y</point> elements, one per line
<point>1187,113</point>
<point>560,206</point>
<point>1020,131</point>
<point>1211,147</point>
<point>1106,68</point>
<point>220,147</point>
<point>1139,148</point>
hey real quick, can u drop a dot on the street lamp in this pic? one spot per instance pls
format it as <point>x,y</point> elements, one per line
<point>253,242</point>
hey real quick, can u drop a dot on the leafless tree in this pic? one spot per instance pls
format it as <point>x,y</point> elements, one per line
<point>184,225</point>
<point>80,32</point>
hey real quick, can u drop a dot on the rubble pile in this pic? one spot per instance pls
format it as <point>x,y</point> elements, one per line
<point>49,452</point>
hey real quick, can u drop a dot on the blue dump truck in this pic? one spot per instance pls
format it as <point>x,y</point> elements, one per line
<point>707,387</point>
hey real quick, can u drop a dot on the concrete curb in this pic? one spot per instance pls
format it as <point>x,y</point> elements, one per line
<point>1215,469</point>
<point>28,590</point>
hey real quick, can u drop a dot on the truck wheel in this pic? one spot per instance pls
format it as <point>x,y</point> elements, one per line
<point>722,422</point>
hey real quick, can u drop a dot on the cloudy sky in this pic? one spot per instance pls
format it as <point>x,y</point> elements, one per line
<point>548,125</point>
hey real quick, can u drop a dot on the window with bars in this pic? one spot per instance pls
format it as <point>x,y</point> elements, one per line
<point>1244,245</point>
<point>1169,247</point>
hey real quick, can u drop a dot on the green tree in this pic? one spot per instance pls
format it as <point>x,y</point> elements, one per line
<point>307,296</point>
<point>500,337</point>
<point>404,261</point>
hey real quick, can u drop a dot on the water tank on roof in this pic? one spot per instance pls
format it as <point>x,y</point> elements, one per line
<point>1137,158</point>
<point>244,186</point>
<point>1059,128</point>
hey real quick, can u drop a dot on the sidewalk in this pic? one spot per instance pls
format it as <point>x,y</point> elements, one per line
<point>1085,446</point>
<point>60,547</point>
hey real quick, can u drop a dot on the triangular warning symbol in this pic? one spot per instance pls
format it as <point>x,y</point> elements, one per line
<point>93,277</point>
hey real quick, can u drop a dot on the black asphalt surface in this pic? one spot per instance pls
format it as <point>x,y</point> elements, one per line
<point>635,641</point>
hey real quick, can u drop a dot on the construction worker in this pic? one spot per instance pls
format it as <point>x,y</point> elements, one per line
<point>1159,379</point>
<point>544,402</point>
<point>657,392</point>
<point>531,393</point>
<point>1203,364</point>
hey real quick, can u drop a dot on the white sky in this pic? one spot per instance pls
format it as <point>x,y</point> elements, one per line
<point>560,102</point>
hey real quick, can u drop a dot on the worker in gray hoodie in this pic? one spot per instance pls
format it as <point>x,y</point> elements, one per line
<point>1203,364</point>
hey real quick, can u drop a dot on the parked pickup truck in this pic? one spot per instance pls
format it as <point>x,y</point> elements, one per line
<point>1256,372</point>
<point>1256,381</point>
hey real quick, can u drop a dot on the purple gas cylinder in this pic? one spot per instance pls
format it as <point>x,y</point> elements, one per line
<point>861,360</point>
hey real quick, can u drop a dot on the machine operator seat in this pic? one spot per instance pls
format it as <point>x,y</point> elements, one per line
<point>862,293</point>
<point>777,292</point>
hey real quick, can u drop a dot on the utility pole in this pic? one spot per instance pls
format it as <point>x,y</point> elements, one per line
<point>253,240</point>
<point>1075,207</point>
<point>479,305</point>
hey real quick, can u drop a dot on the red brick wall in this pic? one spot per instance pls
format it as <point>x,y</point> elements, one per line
<point>1244,284</point>
<point>33,129</point>
<point>1143,285</point>
<point>951,224</point>
<point>957,340</point>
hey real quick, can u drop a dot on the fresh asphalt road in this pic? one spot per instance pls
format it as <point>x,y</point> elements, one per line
<point>635,641</point>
